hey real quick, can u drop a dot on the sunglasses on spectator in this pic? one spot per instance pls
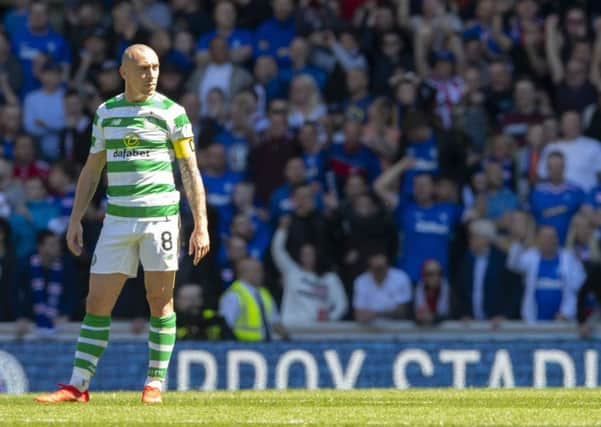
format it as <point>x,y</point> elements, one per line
<point>278,111</point>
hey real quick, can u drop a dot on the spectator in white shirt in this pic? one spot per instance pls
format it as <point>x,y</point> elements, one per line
<point>582,154</point>
<point>382,291</point>
<point>309,296</point>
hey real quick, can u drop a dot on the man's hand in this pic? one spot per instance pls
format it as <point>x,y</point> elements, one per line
<point>199,244</point>
<point>284,222</point>
<point>75,238</point>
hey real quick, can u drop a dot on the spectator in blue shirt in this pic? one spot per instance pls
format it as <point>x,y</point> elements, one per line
<point>427,226</point>
<point>37,38</point>
<point>244,202</point>
<point>281,200</point>
<point>359,99</point>
<point>232,250</point>
<point>219,183</point>
<point>273,37</point>
<point>257,237</point>
<point>15,19</point>
<point>312,152</point>
<point>501,151</point>
<point>38,213</point>
<point>299,57</point>
<point>237,134</point>
<point>500,200</point>
<point>62,181</point>
<point>483,28</point>
<point>240,42</point>
<point>270,82</point>
<point>351,156</point>
<point>555,201</point>
<point>47,281</point>
<point>421,148</point>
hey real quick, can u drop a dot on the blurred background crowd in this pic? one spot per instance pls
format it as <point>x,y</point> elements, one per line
<point>363,159</point>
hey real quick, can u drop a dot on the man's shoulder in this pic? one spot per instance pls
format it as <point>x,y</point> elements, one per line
<point>168,107</point>
<point>400,278</point>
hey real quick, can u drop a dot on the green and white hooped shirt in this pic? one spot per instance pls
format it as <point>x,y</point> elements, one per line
<point>138,138</point>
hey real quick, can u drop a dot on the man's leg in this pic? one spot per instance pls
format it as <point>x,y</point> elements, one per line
<point>93,336</point>
<point>161,339</point>
<point>94,332</point>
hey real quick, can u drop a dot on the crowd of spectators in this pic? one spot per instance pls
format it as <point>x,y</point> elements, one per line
<point>408,159</point>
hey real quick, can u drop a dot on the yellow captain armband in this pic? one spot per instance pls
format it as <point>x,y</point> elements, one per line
<point>183,148</point>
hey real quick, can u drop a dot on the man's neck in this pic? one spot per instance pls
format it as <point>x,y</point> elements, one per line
<point>49,90</point>
<point>548,254</point>
<point>38,31</point>
<point>46,261</point>
<point>225,31</point>
<point>557,181</point>
<point>359,95</point>
<point>425,204</point>
<point>133,97</point>
<point>482,252</point>
<point>379,278</point>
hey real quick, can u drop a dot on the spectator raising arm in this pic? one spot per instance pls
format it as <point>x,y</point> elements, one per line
<point>281,257</point>
<point>552,49</point>
<point>385,184</point>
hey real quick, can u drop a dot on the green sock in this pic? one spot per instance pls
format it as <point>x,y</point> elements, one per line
<point>93,339</point>
<point>161,340</point>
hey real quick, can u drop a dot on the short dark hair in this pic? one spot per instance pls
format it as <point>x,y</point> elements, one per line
<point>43,235</point>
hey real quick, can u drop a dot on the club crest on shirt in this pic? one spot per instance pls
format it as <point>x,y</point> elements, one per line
<point>131,140</point>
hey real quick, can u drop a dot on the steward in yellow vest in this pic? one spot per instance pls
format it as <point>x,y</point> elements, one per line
<point>248,308</point>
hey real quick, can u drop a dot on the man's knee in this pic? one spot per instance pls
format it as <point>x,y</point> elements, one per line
<point>160,305</point>
<point>98,306</point>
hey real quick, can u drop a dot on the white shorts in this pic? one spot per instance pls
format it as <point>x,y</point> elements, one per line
<point>124,242</point>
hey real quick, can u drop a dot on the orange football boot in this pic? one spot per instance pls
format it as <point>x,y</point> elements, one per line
<point>151,395</point>
<point>66,393</point>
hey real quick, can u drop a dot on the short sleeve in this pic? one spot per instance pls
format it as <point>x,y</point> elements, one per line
<point>360,297</point>
<point>181,127</point>
<point>97,144</point>
<point>403,292</point>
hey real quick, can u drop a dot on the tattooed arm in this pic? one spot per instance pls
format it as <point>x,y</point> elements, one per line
<point>86,187</point>
<point>199,239</point>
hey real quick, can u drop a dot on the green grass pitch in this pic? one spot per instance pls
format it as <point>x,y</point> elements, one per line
<point>441,407</point>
